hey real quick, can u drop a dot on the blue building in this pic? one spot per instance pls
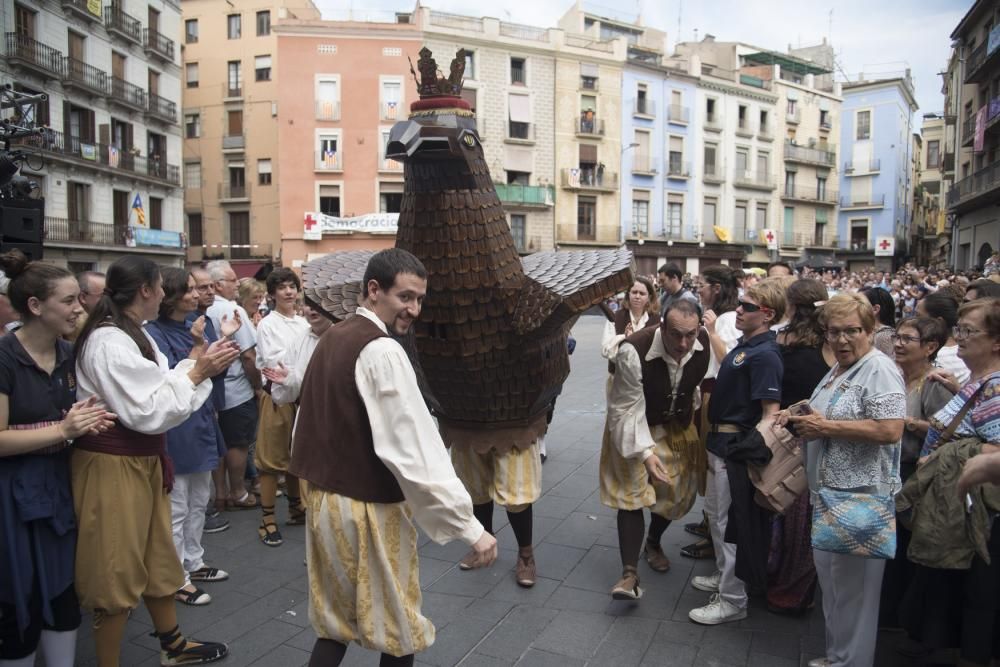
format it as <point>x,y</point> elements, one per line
<point>876,183</point>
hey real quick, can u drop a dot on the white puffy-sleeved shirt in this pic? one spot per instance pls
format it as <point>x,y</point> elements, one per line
<point>300,352</point>
<point>407,441</point>
<point>148,397</point>
<point>610,340</point>
<point>725,328</point>
<point>276,335</point>
<point>630,432</point>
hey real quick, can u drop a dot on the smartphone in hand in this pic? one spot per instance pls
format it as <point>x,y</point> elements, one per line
<point>800,409</point>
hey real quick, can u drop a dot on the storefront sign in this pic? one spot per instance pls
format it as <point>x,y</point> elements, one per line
<point>317,224</point>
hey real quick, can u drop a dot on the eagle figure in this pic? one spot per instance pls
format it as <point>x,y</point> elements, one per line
<point>491,339</point>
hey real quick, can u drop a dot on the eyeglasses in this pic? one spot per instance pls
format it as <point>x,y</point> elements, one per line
<point>850,333</point>
<point>751,307</point>
<point>906,339</point>
<point>961,333</point>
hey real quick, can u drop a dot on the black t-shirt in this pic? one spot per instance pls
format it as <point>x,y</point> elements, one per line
<point>749,374</point>
<point>32,394</point>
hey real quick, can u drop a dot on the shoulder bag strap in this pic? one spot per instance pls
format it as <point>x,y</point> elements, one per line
<point>949,431</point>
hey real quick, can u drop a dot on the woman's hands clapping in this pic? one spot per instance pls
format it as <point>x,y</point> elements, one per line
<point>86,418</point>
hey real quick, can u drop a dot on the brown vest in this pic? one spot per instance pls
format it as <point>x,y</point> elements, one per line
<point>333,447</point>
<point>622,319</point>
<point>656,380</point>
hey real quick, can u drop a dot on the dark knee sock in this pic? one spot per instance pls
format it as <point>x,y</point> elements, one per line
<point>392,661</point>
<point>327,653</point>
<point>657,526</point>
<point>520,523</point>
<point>484,513</point>
<point>631,525</point>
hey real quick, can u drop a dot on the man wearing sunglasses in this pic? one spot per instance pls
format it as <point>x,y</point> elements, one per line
<point>748,388</point>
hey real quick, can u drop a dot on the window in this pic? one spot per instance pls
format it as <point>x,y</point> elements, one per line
<point>391,98</point>
<point>263,23</point>
<point>328,152</point>
<point>824,119</point>
<point>192,175</point>
<point>518,67</point>
<point>234,26</point>
<point>708,215</point>
<point>675,216</point>
<point>819,230</point>
<point>24,21</point>
<point>329,200</point>
<point>740,222</point>
<point>191,74</point>
<point>793,108</point>
<point>192,125</point>
<point>864,125</point>
<point>121,137</point>
<point>742,117</point>
<point>470,64</point>
<point>518,177</point>
<point>155,213</point>
<point>264,172</point>
<point>390,197</point>
<point>643,105</point>
<point>234,123</point>
<point>933,154</point>
<point>196,233</point>
<point>262,68</point>
<point>327,98</point>
<point>77,202</point>
<point>710,153</point>
<point>237,179</point>
<point>239,235</point>
<point>640,213</point>
<point>191,31</point>
<point>234,78</point>
<point>764,128</point>
<point>517,227</point>
<point>710,115</point>
<point>120,207</point>
<point>153,82</point>
<point>763,167</point>
<point>519,116</point>
<point>761,216</point>
<point>742,161</point>
<point>859,234</point>
<point>675,162</point>
<point>789,182</point>
<point>586,218</point>
<point>821,188</point>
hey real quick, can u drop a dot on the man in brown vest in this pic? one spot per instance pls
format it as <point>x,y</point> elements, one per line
<point>651,444</point>
<point>374,462</point>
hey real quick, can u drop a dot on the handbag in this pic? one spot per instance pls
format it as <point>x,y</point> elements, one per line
<point>852,522</point>
<point>783,480</point>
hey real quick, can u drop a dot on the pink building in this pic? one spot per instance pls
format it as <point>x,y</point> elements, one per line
<point>341,86</point>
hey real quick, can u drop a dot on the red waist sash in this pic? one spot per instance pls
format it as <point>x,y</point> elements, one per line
<point>123,441</point>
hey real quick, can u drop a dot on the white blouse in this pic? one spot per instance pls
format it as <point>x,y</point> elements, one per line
<point>275,337</point>
<point>300,352</point>
<point>725,328</point>
<point>148,397</point>
<point>611,340</point>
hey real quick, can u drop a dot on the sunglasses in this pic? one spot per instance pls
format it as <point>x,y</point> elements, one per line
<point>751,307</point>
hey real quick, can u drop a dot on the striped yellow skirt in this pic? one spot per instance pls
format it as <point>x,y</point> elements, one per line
<point>513,480</point>
<point>364,582</point>
<point>274,436</point>
<point>625,485</point>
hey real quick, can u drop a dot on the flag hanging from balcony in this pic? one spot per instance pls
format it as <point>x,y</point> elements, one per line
<point>329,159</point>
<point>114,157</point>
<point>140,215</point>
<point>721,233</point>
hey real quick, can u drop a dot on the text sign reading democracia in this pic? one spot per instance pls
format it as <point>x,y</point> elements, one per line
<point>317,224</point>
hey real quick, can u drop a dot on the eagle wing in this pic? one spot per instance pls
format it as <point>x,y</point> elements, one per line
<point>332,283</point>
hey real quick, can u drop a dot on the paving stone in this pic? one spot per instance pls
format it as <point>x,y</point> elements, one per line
<point>536,658</point>
<point>508,590</point>
<point>577,599</point>
<point>556,561</point>
<point>456,640</point>
<point>573,633</point>
<point>778,644</point>
<point>284,656</point>
<point>432,569</point>
<point>515,633</point>
<point>481,660</point>
<point>556,507</point>
<point>662,653</point>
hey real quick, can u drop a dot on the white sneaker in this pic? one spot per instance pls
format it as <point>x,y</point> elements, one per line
<point>820,662</point>
<point>709,584</point>
<point>717,611</point>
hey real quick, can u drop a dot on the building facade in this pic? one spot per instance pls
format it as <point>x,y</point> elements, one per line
<point>973,96</point>
<point>927,229</point>
<point>876,189</point>
<point>110,158</point>
<point>231,119</point>
<point>341,87</point>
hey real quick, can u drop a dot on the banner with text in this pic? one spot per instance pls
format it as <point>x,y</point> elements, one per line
<point>317,224</point>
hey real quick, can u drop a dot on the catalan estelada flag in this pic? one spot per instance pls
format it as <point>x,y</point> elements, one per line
<point>140,215</point>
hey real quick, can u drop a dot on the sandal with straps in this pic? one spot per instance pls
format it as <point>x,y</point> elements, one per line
<point>296,512</point>
<point>268,530</point>
<point>175,649</point>
<point>627,587</point>
<point>195,598</point>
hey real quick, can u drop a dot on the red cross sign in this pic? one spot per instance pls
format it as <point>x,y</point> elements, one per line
<point>770,237</point>
<point>310,222</point>
<point>884,244</point>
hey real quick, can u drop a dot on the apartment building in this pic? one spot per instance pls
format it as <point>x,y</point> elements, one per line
<point>341,87</point>
<point>927,233</point>
<point>973,98</point>
<point>112,77</point>
<point>231,116</point>
<point>876,188</point>
<point>510,74</point>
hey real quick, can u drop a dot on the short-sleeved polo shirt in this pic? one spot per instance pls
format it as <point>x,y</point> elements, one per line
<point>749,374</point>
<point>33,395</point>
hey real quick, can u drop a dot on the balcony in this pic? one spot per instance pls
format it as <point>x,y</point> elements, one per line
<point>589,126</point>
<point>980,189</point>
<point>86,78</point>
<point>520,133</point>
<point>864,168</point>
<point>389,165</point>
<point>993,115</point>
<point>789,238</point>
<point>811,195</point>
<point>743,129</point>
<point>713,174</point>
<point>678,115</point>
<point>234,92</point>
<point>678,170</point>
<point>109,159</point>
<point>127,95</point>
<point>237,251</point>
<point>233,193</point>
<point>755,180</point>
<point>642,165</point>
<point>968,130</point>
<point>824,157</point>
<point>825,126</point>
<point>121,25</point>
<point>980,66</point>
<point>860,202</point>
<point>644,107</point>
<point>159,46</point>
<point>589,83</point>
<point>161,108</point>
<point>589,179</point>
<point>329,161</point>
<point>84,231</point>
<point>525,196</point>
<point>765,132</point>
<point>793,117</point>
<point>81,9</point>
<point>387,110</point>
<point>234,142</point>
<point>327,110</point>
<point>713,122</point>
<point>857,245</point>
<point>32,55</point>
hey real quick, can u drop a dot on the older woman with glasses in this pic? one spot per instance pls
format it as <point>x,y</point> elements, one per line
<point>946,608</point>
<point>853,433</point>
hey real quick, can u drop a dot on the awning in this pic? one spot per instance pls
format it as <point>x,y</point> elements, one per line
<point>588,153</point>
<point>260,62</point>
<point>588,70</point>
<point>518,158</point>
<point>263,166</point>
<point>520,108</point>
<point>788,63</point>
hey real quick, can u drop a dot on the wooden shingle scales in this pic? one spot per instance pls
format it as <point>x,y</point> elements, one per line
<point>491,338</point>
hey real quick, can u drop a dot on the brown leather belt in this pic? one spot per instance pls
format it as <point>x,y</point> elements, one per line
<point>724,428</point>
